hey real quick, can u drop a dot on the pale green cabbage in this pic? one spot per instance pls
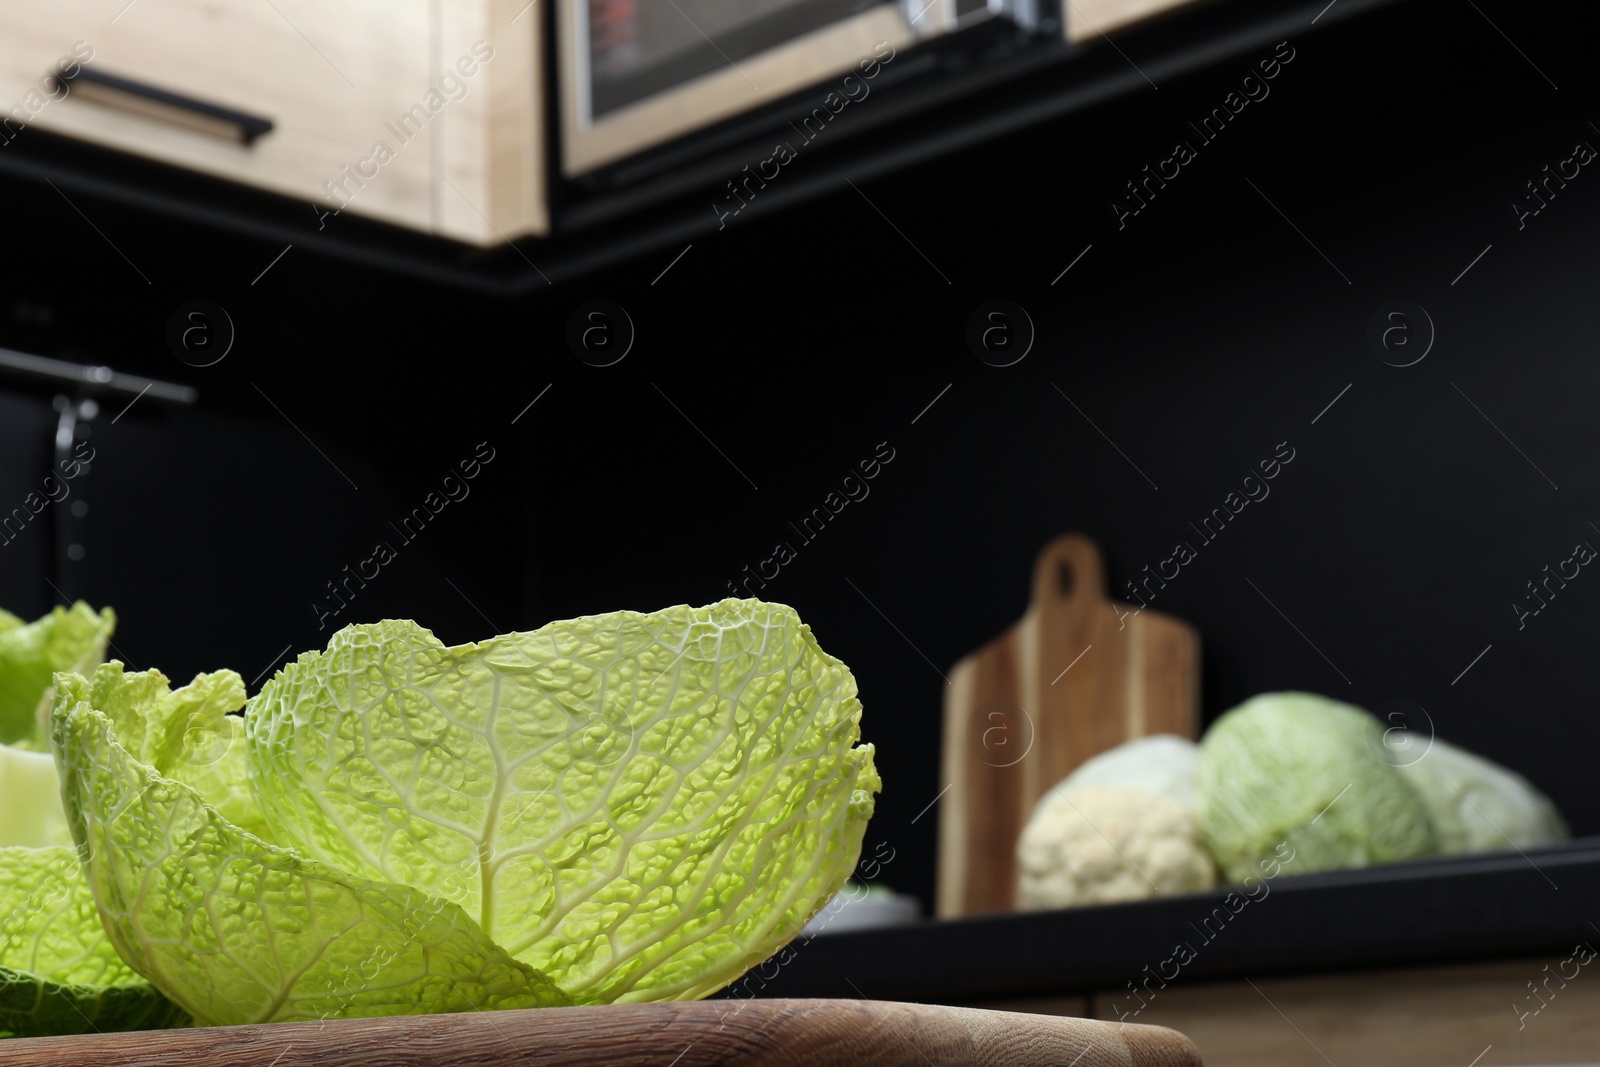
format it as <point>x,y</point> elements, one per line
<point>1305,770</point>
<point>67,639</point>
<point>58,972</point>
<point>623,807</point>
<point>1476,805</point>
<point>30,801</point>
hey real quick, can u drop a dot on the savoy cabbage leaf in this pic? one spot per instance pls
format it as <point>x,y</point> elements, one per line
<point>58,973</point>
<point>231,927</point>
<point>642,806</point>
<point>67,639</point>
<point>626,807</point>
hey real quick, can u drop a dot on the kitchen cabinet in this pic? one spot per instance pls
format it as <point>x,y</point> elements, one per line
<point>491,173</point>
<point>419,113</point>
<point>1087,19</point>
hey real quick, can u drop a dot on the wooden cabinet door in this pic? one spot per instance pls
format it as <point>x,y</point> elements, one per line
<point>336,78</point>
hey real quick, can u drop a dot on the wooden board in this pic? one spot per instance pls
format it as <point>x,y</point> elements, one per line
<point>1076,676</point>
<point>754,1033</point>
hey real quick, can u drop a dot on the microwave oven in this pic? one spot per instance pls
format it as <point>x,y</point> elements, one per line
<point>636,74</point>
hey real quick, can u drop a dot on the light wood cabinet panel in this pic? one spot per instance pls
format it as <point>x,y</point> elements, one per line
<point>1087,19</point>
<point>1412,1017</point>
<point>334,78</point>
<point>420,113</point>
<point>492,180</point>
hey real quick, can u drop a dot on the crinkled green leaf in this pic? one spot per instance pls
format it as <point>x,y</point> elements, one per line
<point>237,930</point>
<point>186,734</point>
<point>214,764</point>
<point>643,806</point>
<point>152,720</point>
<point>67,639</point>
<point>58,973</point>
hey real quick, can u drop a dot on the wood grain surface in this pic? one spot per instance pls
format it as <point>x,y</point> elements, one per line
<point>328,103</point>
<point>756,1033</point>
<point>1077,675</point>
<point>472,170</point>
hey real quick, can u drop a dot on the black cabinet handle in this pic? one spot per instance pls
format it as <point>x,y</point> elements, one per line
<point>111,89</point>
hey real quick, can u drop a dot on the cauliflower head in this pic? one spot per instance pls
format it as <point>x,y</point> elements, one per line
<point>1101,844</point>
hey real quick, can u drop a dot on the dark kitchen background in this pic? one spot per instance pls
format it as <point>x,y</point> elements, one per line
<point>1218,324</point>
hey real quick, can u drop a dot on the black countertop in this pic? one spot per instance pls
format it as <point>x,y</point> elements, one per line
<point>1442,910</point>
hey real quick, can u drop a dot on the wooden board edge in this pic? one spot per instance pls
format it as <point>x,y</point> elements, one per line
<point>829,1033</point>
<point>951,854</point>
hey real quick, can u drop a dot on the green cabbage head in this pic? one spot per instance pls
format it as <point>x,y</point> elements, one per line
<point>1306,770</point>
<point>621,807</point>
<point>1476,805</point>
<point>67,639</point>
<point>58,972</point>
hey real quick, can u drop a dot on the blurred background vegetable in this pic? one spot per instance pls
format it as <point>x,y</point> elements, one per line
<point>1295,769</point>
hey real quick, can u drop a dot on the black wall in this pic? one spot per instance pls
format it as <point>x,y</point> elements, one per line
<point>1199,338</point>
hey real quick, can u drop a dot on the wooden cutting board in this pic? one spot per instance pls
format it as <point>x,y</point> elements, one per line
<point>708,1033</point>
<point>1077,675</point>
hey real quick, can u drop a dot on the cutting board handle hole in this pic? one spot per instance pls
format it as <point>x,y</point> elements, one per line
<point>1064,578</point>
